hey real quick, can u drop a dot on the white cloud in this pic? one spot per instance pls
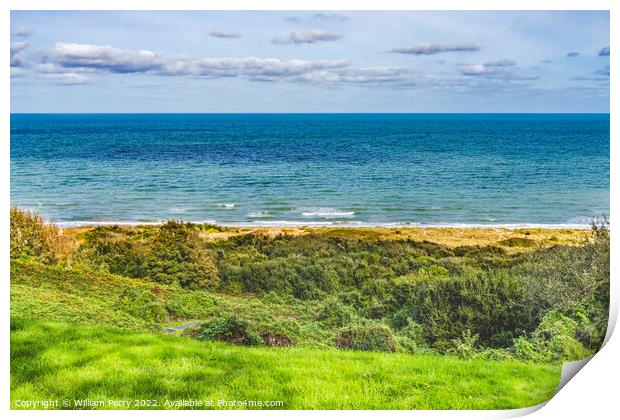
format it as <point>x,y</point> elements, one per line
<point>67,79</point>
<point>95,58</point>
<point>502,69</point>
<point>16,49</point>
<point>430,49</point>
<point>23,32</point>
<point>309,37</point>
<point>71,64</point>
<point>17,72</point>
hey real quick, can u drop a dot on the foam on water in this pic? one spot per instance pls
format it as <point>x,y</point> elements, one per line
<point>328,213</point>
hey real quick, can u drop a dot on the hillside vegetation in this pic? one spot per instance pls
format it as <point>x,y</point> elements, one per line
<point>523,304</point>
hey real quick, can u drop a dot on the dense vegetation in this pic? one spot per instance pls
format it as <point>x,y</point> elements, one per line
<point>338,318</point>
<point>346,289</point>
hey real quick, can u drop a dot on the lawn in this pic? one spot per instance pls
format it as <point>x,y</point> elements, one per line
<point>63,361</point>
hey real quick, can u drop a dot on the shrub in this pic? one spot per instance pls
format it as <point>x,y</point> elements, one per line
<point>465,346</point>
<point>334,314</point>
<point>194,304</point>
<point>272,298</point>
<point>107,247</point>
<point>410,338</point>
<point>570,279</point>
<point>302,277</point>
<point>279,333</point>
<point>372,337</point>
<point>31,237</point>
<point>142,304</point>
<point>489,304</point>
<point>229,329</point>
<point>552,342</point>
<point>173,257</point>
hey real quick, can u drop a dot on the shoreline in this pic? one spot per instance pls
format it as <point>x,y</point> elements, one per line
<point>512,238</point>
<point>318,224</point>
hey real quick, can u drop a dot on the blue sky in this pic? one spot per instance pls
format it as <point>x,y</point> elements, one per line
<point>551,61</point>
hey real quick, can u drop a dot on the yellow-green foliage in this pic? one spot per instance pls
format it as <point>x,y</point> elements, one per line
<point>31,237</point>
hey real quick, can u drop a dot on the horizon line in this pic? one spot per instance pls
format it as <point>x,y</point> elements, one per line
<point>306,113</point>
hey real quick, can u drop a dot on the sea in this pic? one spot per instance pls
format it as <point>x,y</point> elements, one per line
<point>461,170</point>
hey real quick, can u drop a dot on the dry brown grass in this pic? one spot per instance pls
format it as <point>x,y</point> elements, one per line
<point>512,240</point>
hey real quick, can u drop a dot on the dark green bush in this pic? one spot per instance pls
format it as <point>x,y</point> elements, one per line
<point>490,304</point>
<point>110,248</point>
<point>371,337</point>
<point>229,329</point>
<point>280,333</point>
<point>302,277</point>
<point>174,257</point>
<point>334,314</point>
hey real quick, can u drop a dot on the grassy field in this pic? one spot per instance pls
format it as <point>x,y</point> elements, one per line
<point>61,361</point>
<point>447,318</point>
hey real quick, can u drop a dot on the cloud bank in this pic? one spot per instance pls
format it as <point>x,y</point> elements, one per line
<point>74,64</point>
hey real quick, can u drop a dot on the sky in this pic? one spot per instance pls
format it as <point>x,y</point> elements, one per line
<point>279,61</point>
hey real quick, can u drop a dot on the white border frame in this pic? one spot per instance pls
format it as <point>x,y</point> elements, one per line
<point>591,393</point>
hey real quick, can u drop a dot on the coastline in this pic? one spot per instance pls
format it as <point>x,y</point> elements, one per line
<point>512,238</point>
<point>318,224</point>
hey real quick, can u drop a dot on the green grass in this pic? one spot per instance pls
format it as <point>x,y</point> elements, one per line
<point>54,293</point>
<point>67,361</point>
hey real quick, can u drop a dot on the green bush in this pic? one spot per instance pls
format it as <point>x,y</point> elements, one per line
<point>31,237</point>
<point>493,354</point>
<point>465,346</point>
<point>552,342</point>
<point>229,329</point>
<point>410,338</point>
<point>174,257</point>
<point>371,337</point>
<point>191,304</point>
<point>304,278</point>
<point>142,304</point>
<point>490,304</point>
<point>280,333</point>
<point>109,248</point>
<point>334,314</point>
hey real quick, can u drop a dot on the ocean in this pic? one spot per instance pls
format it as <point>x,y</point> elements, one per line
<point>313,169</point>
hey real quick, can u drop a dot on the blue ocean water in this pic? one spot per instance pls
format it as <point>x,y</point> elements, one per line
<point>287,169</point>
